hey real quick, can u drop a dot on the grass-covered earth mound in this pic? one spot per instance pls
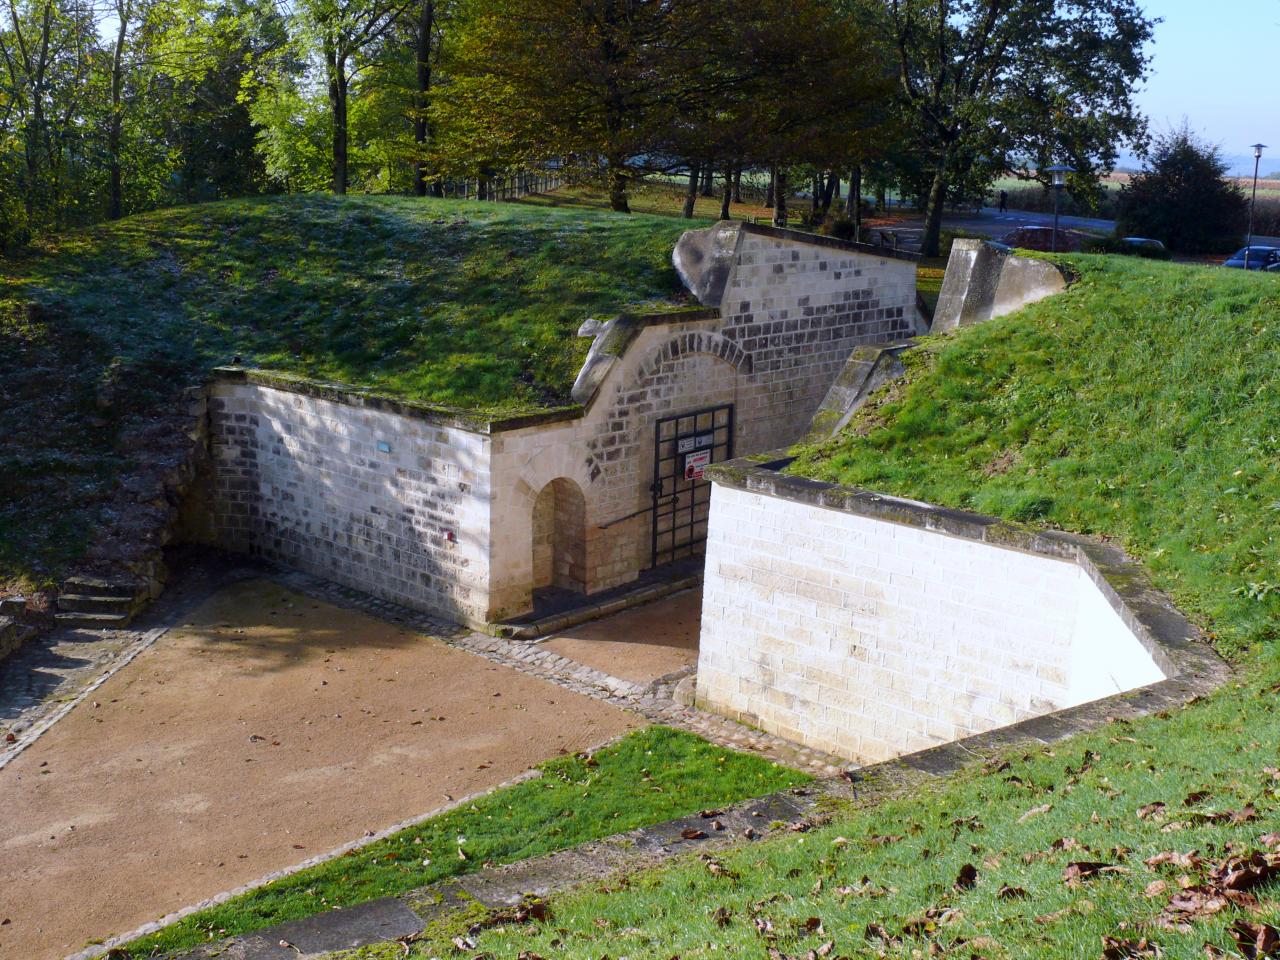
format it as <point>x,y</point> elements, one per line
<point>454,303</point>
<point>1143,404</point>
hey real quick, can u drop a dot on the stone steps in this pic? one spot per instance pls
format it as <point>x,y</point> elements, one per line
<point>96,621</point>
<point>99,587</point>
<point>98,603</point>
<point>94,603</point>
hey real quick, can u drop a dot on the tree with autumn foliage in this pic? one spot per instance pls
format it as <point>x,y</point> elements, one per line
<point>622,88</point>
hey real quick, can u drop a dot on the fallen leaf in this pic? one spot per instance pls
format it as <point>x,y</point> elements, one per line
<point>1114,948</point>
<point>1084,870</point>
<point>1155,888</point>
<point>1149,810</point>
<point>1196,796</point>
<point>1244,815</point>
<point>1241,873</point>
<point>1194,903</point>
<point>691,833</point>
<point>876,931</point>
<point>1007,892</point>
<point>722,916</point>
<point>967,878</point>
<point>1255,939</point>
<point>1191,859</point>
<point>1035,812</point>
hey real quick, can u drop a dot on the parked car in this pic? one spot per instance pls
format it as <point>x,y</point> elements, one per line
<point>1143,245</point>
<point>1041,238</point>
<point>1260,258</point>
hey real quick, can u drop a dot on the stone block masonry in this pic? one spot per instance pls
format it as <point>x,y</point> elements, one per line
<point>393,504</point>
<point>872,627</point>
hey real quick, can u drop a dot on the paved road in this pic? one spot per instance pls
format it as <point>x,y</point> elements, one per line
<point>990,222</point>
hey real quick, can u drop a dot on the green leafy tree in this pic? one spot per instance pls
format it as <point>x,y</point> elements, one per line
<point>1183,198</point>
<point>342,33</point>
<point>1004,82</point>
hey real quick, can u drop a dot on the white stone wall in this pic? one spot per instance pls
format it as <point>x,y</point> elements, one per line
<point>304,481</point>
<point>873,639</point>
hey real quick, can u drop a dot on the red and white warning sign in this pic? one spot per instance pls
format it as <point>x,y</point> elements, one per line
<point>696,463</point>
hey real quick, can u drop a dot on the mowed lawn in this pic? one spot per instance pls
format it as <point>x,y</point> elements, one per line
<point>455,303</point>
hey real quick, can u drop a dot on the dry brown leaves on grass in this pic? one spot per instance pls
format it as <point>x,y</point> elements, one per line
<point>1225,887</point>
<point>1114,948</point>
<point>1255,939</point>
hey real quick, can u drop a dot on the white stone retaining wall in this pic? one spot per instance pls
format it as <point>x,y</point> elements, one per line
<point>304,481</point>
<point>872,639</point>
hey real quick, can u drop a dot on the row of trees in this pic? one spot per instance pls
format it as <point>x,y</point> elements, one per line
<point>110,106</point>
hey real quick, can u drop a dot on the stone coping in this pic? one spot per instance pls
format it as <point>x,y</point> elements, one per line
<point>1176,645</point>
<point>817,239</point>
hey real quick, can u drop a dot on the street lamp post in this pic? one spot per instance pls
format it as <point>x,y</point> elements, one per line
<point>1059,171</point>
<point>1257,158</point>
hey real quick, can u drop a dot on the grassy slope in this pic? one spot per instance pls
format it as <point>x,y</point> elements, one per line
<point>890,864</point>
<point>649,776</point>
<point>1143,404</point>
<point>450,302</point>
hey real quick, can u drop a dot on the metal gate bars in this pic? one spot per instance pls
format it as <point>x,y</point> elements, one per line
<point>683,447</point>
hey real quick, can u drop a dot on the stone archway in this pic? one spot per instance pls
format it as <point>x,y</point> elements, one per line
<point>559,537</point>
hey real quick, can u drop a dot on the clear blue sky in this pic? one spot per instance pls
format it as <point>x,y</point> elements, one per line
<point>1215,64</point>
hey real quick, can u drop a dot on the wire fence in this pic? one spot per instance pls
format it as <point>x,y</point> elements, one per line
<point>505,187</point>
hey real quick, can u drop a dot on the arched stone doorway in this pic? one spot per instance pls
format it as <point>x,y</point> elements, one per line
<point>559,537</point>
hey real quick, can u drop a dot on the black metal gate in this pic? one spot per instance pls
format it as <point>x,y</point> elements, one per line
<point>683,447</point>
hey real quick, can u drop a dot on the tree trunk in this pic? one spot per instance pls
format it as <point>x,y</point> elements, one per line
<point>691,192</point>
<point>708,187</point>
<point>727,195</point>
<point>618,189</point>
<point>779,197</point>
<point>829,192</point>
<point>337,68</point>
<point>855,200</point>
<point>421,128</point>
<point>768,194</point>
<point>737,184</point>
<point>932,241</point>
<point>815,195</point>
<point>115,128</point>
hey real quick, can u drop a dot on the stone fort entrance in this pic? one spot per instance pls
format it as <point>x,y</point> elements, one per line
<point>474,517</point>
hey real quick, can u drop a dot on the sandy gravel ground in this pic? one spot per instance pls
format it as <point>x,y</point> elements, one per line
<point>640,644</point>
<point>269,728</point>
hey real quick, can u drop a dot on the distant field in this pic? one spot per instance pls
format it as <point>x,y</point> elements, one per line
<point>1266,188</point>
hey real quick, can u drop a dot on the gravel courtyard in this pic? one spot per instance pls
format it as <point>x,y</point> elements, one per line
<point>266,728</point>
